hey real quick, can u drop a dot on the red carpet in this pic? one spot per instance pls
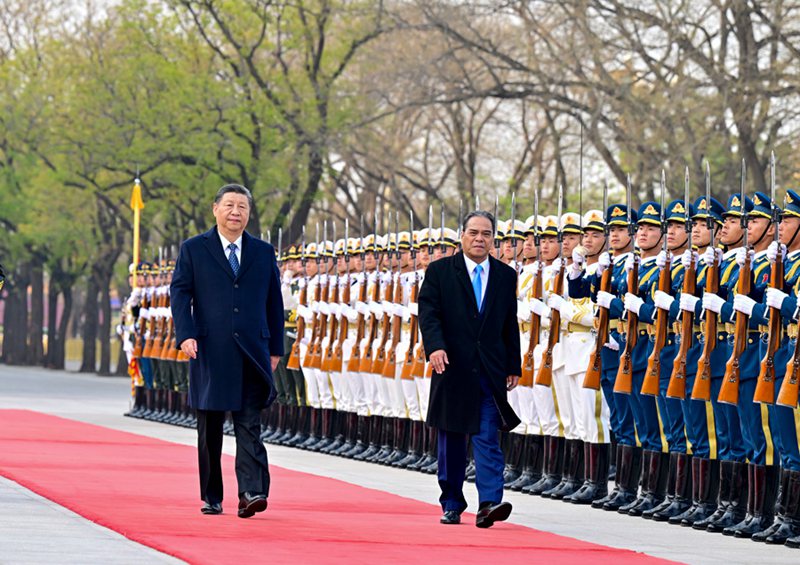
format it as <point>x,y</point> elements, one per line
<point>146,489</point>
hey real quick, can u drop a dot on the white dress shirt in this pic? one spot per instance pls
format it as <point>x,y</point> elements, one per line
<point>226,243</point>
<point>484,274</point>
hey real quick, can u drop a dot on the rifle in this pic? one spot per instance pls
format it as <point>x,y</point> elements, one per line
<point>595,370</point>
<point>294,355</point>
<point>353,365</point>
<point>788,394</point>
<point>327,355</point>
<point>389,368</point>
<point>526,378</point>
<point>677,380</point>
<point>407,372</point>
<point>314,355</point>
<point>765,387</point>
<point>729,391</point>
<point>624,382</point>
<point>366,360</point>
<point>702,382</point>
<point>380,356</point>
<point>155,324</point>
<point>545,375</point>
<point>338,350</point>
<point>653,372</point>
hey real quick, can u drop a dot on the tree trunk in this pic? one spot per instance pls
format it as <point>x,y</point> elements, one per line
<point>16,318</point>
<point>52,324</point>
<point>89,333</point>
<point>105,326</point>
<point>36,320</point>
<point>66,314</point>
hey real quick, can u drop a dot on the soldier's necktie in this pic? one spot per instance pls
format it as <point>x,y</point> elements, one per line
<point>477,285</point>
<point>232,259</point>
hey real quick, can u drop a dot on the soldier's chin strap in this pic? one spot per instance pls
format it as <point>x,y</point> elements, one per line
<point>654,246</point>
<point>764,233</point>
<point>601,249</point>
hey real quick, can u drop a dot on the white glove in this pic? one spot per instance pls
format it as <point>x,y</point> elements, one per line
<point>661,258</point>
<point>578,259</point>
<point>287,277</point>
<point>539,308</point>
<point>689,256</point>
<point>413,308</point>
<point>523,311</point>
<point>555,301</point>
<point>350,313</point>
<point>324,308</point>
<point>712,302</point>
<point>537,268</point>
<point>386,277</point>
<point>603,262</point>
<point>688,302</point>
<point>612,344</point>
<point>775,298</point>
<point>403,313</point>
<point>711,254</point>
<point>633,303</point>
<point>362,308</point>
<point>377,309</point>
<point>741,256</point>
<point>604,299</point>
<point>663,300</point>
<point>772,251</point>
<point>744,304</point>
<point>631,261</point>
<point>575,271</point>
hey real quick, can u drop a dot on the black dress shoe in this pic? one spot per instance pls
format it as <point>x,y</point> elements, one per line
<point>451,517</point>
<point>209,508</point>
<point>491,513</point>
<point>249,504</point>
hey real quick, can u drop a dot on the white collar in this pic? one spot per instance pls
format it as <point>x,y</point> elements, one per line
<point>620,258</point>
<point>226,243</point>
<point>472,264</point>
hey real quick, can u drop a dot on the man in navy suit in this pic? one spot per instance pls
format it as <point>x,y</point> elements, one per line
<point>468,319</point>
<point>228,314</point>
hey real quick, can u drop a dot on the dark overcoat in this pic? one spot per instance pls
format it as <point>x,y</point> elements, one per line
<point>475,342</point>
<point>231,317</point>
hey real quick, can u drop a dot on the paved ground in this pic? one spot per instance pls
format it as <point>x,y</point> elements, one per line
<point>29,524</point>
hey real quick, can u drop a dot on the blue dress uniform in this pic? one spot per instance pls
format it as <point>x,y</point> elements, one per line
<point>698,415</point>
<point>761,473</point>
<point>784,421</point>
<point>671,409</point>
<point>621,421</point>
<point>645,408</point>
<point>730,444</point>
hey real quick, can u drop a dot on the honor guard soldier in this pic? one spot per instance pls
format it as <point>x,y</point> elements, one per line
<point>783,416</point>
<point>698,415</point>
<point>731,451</point>
<point>591,411</point>
<point>762,471</point>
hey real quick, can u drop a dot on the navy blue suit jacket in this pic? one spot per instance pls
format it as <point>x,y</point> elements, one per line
<point>231,317</point>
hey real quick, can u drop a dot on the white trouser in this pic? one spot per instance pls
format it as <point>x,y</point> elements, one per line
<point>312,389</point>
<point>324,382</point>
<point>411,406</point>
<point>514,402</point>
<point>591,412</point>
<point>527,410</point>
<point>565,403</point>
<point>423,393</point>
<point>544,400</point>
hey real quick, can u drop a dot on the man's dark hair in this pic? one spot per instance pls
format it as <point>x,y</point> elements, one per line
<point>236,188</point>
<point>477,214</point>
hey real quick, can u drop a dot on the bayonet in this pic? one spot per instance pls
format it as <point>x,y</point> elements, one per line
<point>430,228</point>
<point>743,208</point>
<point>558,221</point>
<point>776,218</point>
<point>512,228</point>
<point>477,202</point>
<point>280,243</point>
<point>631,227</point>
<point>580,182</point>
<point>688,217</point>
<point>441,235</point>
<point>460,216</point>
<point>536,236</point>
<point>663,211</point>
<point>496,220</point>
<point>605,206</point>
<point>709,219</point>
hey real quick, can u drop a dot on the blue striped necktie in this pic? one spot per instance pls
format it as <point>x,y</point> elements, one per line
<point>232,259</point>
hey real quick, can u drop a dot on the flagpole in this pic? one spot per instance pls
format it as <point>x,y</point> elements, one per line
<point>136,205</point>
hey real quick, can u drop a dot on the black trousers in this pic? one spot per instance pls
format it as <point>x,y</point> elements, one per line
<point>252,468</point>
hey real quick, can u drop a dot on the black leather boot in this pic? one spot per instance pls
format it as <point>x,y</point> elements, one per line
<point>532,453</point>
<point>415,433</point>
<point>138,403</point>
<point>278,428</point>
<point>572,478</point>
<point>338,432</point>
<point>350,434</point>
<point>787,520</point>
<point>761,513</point>
<point>615,461</point>
<point>705,488</point>
<point>375,424</point>
<point>431,439</point>
<point>553,465</point>
<point>326,434</point>
<point>683,494</point>
<point>386,441</point>
<point>297,426</point>
<point>596,463</point>
<point>362,438</point>
<point>735,505</point>
<point>516,452</point>
<point>399,449</point>
<point>629,471</point>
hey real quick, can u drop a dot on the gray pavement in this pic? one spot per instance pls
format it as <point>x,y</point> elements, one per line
<point>102,400</point>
